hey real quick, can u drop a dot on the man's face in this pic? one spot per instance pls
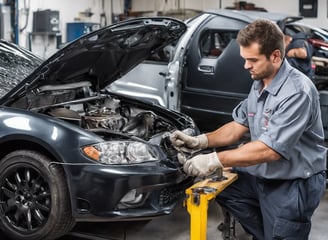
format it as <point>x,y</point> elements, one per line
<point>257,64</point>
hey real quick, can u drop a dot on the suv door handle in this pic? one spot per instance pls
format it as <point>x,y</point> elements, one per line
<point>206,69</point>
<point>163,74</point>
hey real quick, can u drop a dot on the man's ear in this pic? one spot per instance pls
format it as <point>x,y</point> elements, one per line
<point>276,56</point>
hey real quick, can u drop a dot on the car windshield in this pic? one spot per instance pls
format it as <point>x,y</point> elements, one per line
<point>15,65</point>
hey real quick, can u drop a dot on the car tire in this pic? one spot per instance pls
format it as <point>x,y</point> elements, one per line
<point>34,198</point>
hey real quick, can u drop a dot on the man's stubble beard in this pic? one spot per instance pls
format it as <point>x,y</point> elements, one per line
<point>263,75</point>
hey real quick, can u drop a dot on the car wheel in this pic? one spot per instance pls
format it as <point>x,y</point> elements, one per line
<point>34,199</point>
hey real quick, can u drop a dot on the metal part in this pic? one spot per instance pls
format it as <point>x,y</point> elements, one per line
<point>228,226</point>
<point>200,190</point>
<point>219,175</point>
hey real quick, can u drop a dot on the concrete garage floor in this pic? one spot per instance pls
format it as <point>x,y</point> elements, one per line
<point>176,226</point>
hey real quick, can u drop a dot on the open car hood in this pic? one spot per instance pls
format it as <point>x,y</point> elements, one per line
<point>104,55</point>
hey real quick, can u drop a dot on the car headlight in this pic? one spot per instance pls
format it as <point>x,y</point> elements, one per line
<point>121,152</point>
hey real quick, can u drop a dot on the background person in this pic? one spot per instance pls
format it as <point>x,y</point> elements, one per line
<point>281,170</point>
<point>299,53</point>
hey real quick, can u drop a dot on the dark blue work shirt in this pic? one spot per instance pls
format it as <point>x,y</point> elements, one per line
<point>286,117</point>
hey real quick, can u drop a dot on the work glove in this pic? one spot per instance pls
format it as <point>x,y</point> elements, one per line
<point>185,143</point>
<point>201,165</point>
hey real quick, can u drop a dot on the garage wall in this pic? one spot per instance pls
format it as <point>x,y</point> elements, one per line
<point>282,6</point>
<point>292,7</point>
<point>69,10</point>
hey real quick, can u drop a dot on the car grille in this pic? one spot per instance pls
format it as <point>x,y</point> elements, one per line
<point>174,194</point>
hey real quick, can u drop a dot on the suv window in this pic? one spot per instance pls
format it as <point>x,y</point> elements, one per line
<point>213,42</point>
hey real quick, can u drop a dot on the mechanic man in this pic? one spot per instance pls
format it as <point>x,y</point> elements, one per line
<point>299,53</point>
<point>281,170</point>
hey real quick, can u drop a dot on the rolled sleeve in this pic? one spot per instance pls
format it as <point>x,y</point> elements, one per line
<point>239,114</point>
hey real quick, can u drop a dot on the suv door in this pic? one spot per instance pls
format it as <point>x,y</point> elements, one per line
<point>212,74</point>
<point>146,81</point>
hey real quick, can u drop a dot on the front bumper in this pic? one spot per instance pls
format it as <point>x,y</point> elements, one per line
<point>97,191</point>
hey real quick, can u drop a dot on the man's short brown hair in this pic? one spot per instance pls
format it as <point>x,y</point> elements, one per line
<point>266,33</point>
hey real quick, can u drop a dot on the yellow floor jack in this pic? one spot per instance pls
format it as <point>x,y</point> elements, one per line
<point>198,197</point>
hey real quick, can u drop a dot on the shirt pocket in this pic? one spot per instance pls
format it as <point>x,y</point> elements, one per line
<point>260,122</point>
<point>251,122</point>
<point>264,121</point>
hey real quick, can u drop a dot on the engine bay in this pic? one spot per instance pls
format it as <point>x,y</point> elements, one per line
<point>108,115</point>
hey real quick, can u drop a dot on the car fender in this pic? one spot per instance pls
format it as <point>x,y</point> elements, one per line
<point>47,131</point>
<point>20,128</point>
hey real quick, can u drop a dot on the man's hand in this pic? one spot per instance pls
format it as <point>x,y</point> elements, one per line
<point>201,165</point>
<point>186,143</point>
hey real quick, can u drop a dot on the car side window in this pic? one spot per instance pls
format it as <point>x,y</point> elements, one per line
<point>213,42</point>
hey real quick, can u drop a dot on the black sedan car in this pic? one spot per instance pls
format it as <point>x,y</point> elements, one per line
<point>72,151</point>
